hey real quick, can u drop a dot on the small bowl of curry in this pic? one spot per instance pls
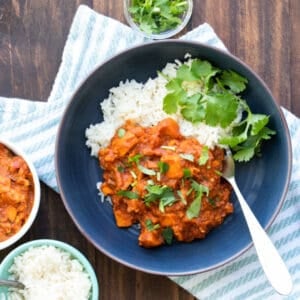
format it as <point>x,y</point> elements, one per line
<point>19,193</point>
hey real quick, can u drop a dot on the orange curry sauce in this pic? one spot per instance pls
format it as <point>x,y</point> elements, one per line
<point>16,192</point>
<point>168,183</point>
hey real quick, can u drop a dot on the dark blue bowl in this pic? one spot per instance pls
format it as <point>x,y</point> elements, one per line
<point>263,181</point>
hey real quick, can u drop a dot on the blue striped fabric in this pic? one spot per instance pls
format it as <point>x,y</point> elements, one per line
<point>33,125</point>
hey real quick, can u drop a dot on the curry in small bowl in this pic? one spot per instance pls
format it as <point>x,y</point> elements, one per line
<point>19,194</point>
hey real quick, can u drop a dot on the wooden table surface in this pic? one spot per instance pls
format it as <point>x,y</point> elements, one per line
<point>263,33</point>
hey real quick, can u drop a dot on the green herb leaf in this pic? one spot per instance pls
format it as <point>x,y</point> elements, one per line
<point>167,234</point>
<point>248,135</point>
<point>204,70</point>
<point>258,122</point>
<point>136,158</point>
<point>163,167</point>
<point>170,103</point>
<point>128,194</point>
<point>194,113</point>
<point>204,156</point>
<point>150,226</point>
<point>184,73</point>
<point>234,81</point>
<point>187,173</point>
<point>193,210</point>
<point>217,104</point>
<point>121,169</point>
<point>121,132</point>
<point>164,194</point>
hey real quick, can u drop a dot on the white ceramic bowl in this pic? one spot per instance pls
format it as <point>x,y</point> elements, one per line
<point>37,195</point>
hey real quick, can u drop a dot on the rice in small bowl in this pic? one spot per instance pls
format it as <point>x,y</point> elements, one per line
<point>49,269</point>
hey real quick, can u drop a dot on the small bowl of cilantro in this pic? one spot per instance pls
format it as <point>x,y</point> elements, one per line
<point>158,19</point>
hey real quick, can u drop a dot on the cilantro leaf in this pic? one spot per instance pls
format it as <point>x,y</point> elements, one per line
<point>150,226</point>
<point>193,210</point>
<point>258,122</point>
<point>203,69</point>
<point>193,113</point>
<point>184,73</point>
<point>167,234</point>
<point>217,104</point>
<point>164,194</point>
<point>204,156</point>
<point>128,194</point>
<point>163,167</point>
<point>244,155</point>
<point>234,81</point>
<point>248,135</point>
<point>170,103</point>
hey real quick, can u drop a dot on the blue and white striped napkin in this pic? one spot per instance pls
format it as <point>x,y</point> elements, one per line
<point>33,125</point>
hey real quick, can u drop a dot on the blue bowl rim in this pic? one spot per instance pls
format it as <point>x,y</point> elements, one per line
<point>221,52</point>
<point>63,246</point>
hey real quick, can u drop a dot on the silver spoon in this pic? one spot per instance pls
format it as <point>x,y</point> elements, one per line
<point>271,262</point>
<point>12,283</point>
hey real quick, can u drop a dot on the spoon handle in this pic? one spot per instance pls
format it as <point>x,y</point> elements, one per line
<point>12,283</point>
<point>271,262</point>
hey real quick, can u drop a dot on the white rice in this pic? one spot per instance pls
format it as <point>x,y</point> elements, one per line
<point>49,273</point>
<point>143,103</point>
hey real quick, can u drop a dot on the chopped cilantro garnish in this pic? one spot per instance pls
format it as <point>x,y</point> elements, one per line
<point>204,156</point>
<point>167,234</point>
<point>164,194</point>
<point>163,167</point>
<point>187,173</point>
<point>247,136</point>
<point>193,210</point>
<point>150,226</point>
<point>156,16</point>
<point>211,201</point>
<point>128,194</point>
<point>121,132</point>
<point>121,169</point>
<point>204,93</point>
<point>136,158</point>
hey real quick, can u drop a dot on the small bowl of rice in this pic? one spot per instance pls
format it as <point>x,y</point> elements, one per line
<point>49,269</point>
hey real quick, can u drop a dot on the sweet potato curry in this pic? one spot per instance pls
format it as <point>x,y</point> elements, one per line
<point>168,183</point>
<point>16,192</point>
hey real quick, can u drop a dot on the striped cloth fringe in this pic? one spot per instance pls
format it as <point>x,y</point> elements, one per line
<point>33,125</point>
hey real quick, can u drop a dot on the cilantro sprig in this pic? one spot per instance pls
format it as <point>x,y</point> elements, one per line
<point>193,210</point>
<point>204,93</point>
<point>156,16</point>
<point>163,194</point>
<point>248,135</point>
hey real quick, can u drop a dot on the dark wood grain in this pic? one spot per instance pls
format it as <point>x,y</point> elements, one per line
<point>263,33</point>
